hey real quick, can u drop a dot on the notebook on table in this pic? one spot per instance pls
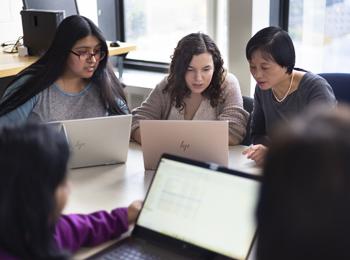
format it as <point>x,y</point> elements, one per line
<point>195,139</point>
<point>97,141</point>
<point>192,210</point>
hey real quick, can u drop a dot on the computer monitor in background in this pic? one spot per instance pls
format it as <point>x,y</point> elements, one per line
<point>39,28</point>
<point>40,19</point>
<point>69,7</point>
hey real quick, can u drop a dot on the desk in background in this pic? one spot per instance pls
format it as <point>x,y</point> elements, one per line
<point>11,63</point>
<point>108,187</point>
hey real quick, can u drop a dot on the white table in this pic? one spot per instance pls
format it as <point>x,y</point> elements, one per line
<point>108,187</point>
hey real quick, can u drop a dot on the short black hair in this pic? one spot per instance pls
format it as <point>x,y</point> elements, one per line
<point>276,44</point>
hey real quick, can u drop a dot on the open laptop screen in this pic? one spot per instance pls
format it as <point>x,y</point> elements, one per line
<point>205,207</point>
<point>98,140</point>
<point>204,140</point>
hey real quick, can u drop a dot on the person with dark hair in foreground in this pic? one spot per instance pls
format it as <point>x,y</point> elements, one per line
<point>304,206</point>
<point>72,80</point>
<point>33,193</point>
<point>282,91</point>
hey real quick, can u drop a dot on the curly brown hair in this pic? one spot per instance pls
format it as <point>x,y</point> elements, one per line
<point>190,45</point>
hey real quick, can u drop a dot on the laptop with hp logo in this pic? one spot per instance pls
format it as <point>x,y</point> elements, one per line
<point>97,141</point>
<point>195,139</point>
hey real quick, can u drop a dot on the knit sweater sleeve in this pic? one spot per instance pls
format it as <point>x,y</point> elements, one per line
<point>155,107</point>
<point>318,91</point>
<point>231,109</point>
<point>77,230</point>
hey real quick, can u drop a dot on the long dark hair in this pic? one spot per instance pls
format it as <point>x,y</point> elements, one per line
<point>33,161</point>
<point>194,44</point>
<point>304,205</point>
<point>51,66</point>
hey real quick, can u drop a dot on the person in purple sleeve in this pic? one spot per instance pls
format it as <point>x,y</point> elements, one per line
<point>33,193</point>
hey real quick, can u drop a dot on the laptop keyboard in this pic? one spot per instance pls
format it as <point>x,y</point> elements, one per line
<point>129,252</point>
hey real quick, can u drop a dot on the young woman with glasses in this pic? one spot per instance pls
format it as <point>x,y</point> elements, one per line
<point>73,79</point>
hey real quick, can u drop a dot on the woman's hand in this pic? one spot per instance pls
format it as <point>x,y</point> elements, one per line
<point>133,210</point>
<point>257,153</point>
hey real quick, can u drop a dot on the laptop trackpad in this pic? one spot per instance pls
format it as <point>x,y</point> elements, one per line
<point>136,248</point>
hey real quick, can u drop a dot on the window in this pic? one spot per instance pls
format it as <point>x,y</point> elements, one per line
<point>156,26</point>
<point>320,30</point>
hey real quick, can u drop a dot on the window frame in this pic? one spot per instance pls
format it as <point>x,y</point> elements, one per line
<point>279,16</point>
<point>132,63</point>
<point>279,13</point>
<point>147,65</point>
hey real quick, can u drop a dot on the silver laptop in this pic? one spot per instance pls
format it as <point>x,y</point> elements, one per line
<point>193,210</point>
<point>196,139</point>
<point>97,141</point>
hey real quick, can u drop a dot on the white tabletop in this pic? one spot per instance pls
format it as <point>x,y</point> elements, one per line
<point>108,187</point>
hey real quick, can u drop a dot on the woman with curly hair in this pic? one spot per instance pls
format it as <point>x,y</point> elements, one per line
<point>197,88</point>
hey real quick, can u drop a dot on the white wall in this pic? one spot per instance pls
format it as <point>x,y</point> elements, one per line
<point>10,20</point>
<point>244,19</point>
<point>87,8</point>
<point>11,23</point>
<point>239,32</point>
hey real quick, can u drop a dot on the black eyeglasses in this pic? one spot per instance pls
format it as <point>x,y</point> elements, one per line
<point>84,55</point>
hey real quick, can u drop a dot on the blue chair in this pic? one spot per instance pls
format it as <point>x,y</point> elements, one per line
<point>248,105</point>
<point>340,83</point>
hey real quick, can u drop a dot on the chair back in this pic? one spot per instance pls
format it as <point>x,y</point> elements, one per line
<point>340,83</point>
<point>248,105</point>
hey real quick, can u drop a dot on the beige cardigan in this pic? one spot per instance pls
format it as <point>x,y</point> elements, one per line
<point>158,105</point>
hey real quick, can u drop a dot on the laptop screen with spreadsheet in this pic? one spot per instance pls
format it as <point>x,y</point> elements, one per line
<point>210,207</point>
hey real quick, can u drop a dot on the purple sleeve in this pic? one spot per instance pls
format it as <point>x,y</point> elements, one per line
<point>76,230</point>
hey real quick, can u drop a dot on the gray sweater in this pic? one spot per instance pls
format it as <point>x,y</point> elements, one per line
<point>158,105</point>
<point>53,104</point>
<point>267,112</point>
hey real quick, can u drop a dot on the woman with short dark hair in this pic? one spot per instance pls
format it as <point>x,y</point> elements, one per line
<point>71,80</point>
<point>197,88</point>
<point>282,90</point>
